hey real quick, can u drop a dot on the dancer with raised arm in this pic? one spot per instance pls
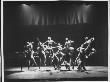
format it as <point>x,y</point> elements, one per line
<point>58,57</point>
<point>49,50</point>
<point>41,52</point>
<point>68,43</point>
<point>49,42</point>
<point>30,54</point>
<point>81,58</point>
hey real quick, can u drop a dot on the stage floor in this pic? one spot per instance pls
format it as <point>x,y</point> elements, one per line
<point>48,73</point>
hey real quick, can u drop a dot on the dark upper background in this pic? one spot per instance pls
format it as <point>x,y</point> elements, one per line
<point>16,33</point>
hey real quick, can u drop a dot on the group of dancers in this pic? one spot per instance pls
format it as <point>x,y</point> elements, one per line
<point>53,53</point>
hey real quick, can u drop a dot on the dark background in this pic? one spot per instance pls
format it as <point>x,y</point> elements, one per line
<point>15,33</point>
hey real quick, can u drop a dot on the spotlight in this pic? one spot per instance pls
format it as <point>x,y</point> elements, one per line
<point>23,4</point>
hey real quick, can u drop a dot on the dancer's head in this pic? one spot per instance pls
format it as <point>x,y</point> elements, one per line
<point>86,38</point>
<point>49,38</point>
<point>59,44</point>
<point>66,39</point>
<point>28,42</point>
<point>93,49</point>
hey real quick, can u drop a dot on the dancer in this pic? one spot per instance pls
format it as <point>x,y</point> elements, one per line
<point>41,48</point>
<point>81,58</point>
<point>69,52</point>
<point>49,42</point>
<point>29,54</point>
<point>30,45</point>
<point>58,57</point>
<point>87,42</point>
<point>68,43</point>
<point>49,49</point>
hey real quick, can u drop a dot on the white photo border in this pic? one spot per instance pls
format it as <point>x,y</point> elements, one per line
<point>2,54</point>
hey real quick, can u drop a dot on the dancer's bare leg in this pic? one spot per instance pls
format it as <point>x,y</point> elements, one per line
<point>29,64</point>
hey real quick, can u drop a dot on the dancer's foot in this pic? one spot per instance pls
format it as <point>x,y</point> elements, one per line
<point>82,70</point>
<point>79,69</point>
<point>69,68</point>
<point>55,68</point>
<point>73,67</point>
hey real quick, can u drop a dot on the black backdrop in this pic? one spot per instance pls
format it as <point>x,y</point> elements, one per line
<point>16,34</point>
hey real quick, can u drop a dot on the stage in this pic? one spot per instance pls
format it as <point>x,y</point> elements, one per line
<point>48,73</point>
